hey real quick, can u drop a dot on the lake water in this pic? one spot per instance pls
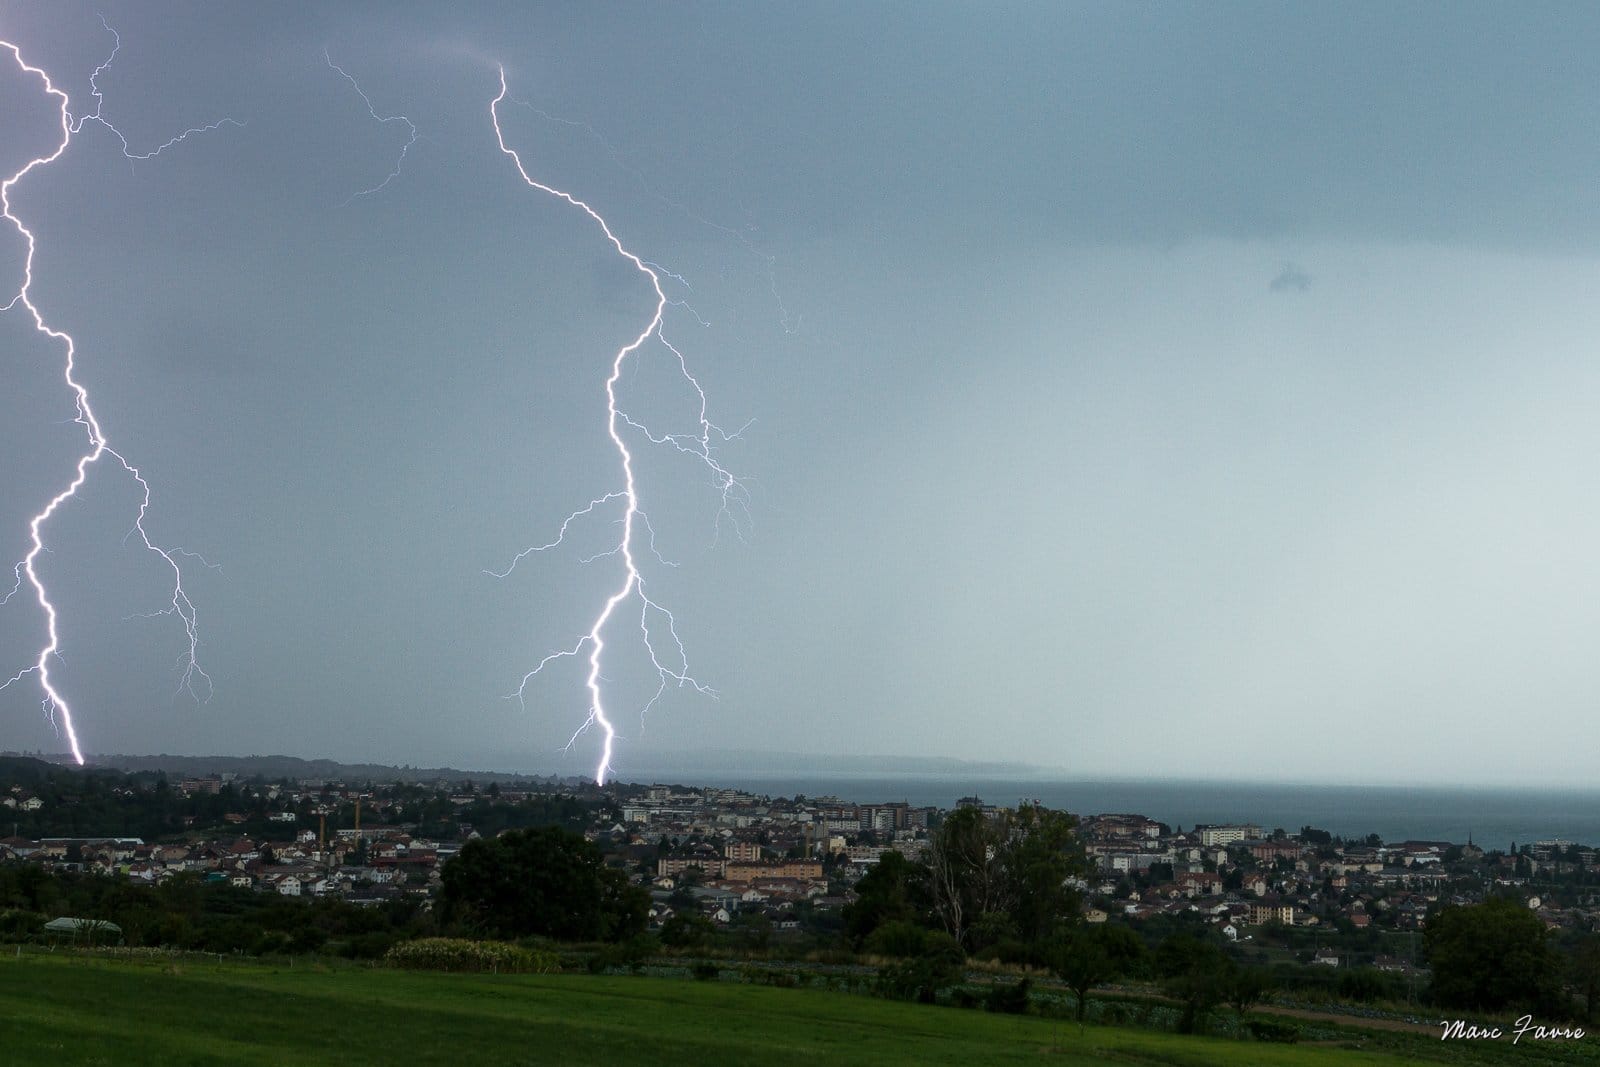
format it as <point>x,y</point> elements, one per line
<point>1493,817</point>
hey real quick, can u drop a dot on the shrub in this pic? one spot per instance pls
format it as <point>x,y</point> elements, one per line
<point>939,965</point>
<point>962,997</point>
<point>897,938</point>
<point>456,954</point>
<point>271,943</point>
<point>20,925</point>
<point>1367,984</point>
<point>371,946</point>
<point>312,938</point>
<point>705,972</point>
<point>1010,999</point>
<point>686,931</point>
<point>630,954</point>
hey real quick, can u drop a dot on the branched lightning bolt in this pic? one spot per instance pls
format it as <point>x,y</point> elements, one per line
<point>703,445</point>
<point>191,675</point>
<point>99,104</point>
<point>382,120</point>
<point>769,263</point>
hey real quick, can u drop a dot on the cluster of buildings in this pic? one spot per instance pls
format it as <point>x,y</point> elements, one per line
<point>735,850</point>
<point>365,865</point>
<point>726,852</point>
<point>1237,876</point>
<point>395,863</point>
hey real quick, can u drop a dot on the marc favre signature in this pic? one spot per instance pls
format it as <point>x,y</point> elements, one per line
<point>1461,1030</point>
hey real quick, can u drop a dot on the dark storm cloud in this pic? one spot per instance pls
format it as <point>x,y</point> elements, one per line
<point>1409,122</point>
<point>1290,278</point>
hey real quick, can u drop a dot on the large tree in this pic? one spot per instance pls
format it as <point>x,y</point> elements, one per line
<point>1092,955</point>
<point>1245,987</point>
<point>893,890</point>
<point>1584,972</point>
<point>545,881</point>
<point>963,873</point>
<point>1195,973</point>
<point>1490,956</point>
<point>1040,853</point>
<point>1003,874</point>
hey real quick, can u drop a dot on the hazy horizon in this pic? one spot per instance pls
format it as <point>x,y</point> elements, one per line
<point>1173,391</point>
<point>712,767</point>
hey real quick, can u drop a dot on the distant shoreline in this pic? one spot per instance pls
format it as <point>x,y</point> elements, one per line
<point>1492,817</point>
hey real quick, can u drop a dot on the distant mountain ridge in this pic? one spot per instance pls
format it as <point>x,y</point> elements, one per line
<point>752,763</point>
<point>24,770</point>
<point>747,763</point>
<point>280,766</point>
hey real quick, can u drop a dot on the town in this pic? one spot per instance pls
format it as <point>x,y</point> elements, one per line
<point>785,865</point>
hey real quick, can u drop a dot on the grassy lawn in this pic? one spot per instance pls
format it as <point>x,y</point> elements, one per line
<point>61,1010</point>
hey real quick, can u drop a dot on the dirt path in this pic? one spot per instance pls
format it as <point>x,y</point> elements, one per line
<point>1359,1021</point>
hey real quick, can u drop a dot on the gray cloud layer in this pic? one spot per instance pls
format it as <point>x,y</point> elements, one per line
<point>1068,459</point>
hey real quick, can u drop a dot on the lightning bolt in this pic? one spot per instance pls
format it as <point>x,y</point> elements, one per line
<point>702,445</point>
<point>191,675</point>
<point>769,263</point>
<point>99,104</point>
<point>382,120</point>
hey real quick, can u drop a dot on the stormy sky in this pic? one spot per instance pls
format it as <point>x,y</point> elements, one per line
<point>1138,389</point>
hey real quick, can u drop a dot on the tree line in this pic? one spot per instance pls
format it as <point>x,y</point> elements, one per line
<point>999,886</point>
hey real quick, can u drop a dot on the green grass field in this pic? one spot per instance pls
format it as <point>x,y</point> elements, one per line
<point>60,1010</point>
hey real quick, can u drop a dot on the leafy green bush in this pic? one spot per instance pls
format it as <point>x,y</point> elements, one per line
<point>705,972</point>
<point>629,954</point>
<point>16,925</point>
<point>1369,984</point>
<point>1008,998</point>
<point>456,954</point>
<point>897,938</point>
<point>962,997</point>
<point>371,946</point>
<point>686,931</point>
<point>271,943</point>
<point>939,964</point>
